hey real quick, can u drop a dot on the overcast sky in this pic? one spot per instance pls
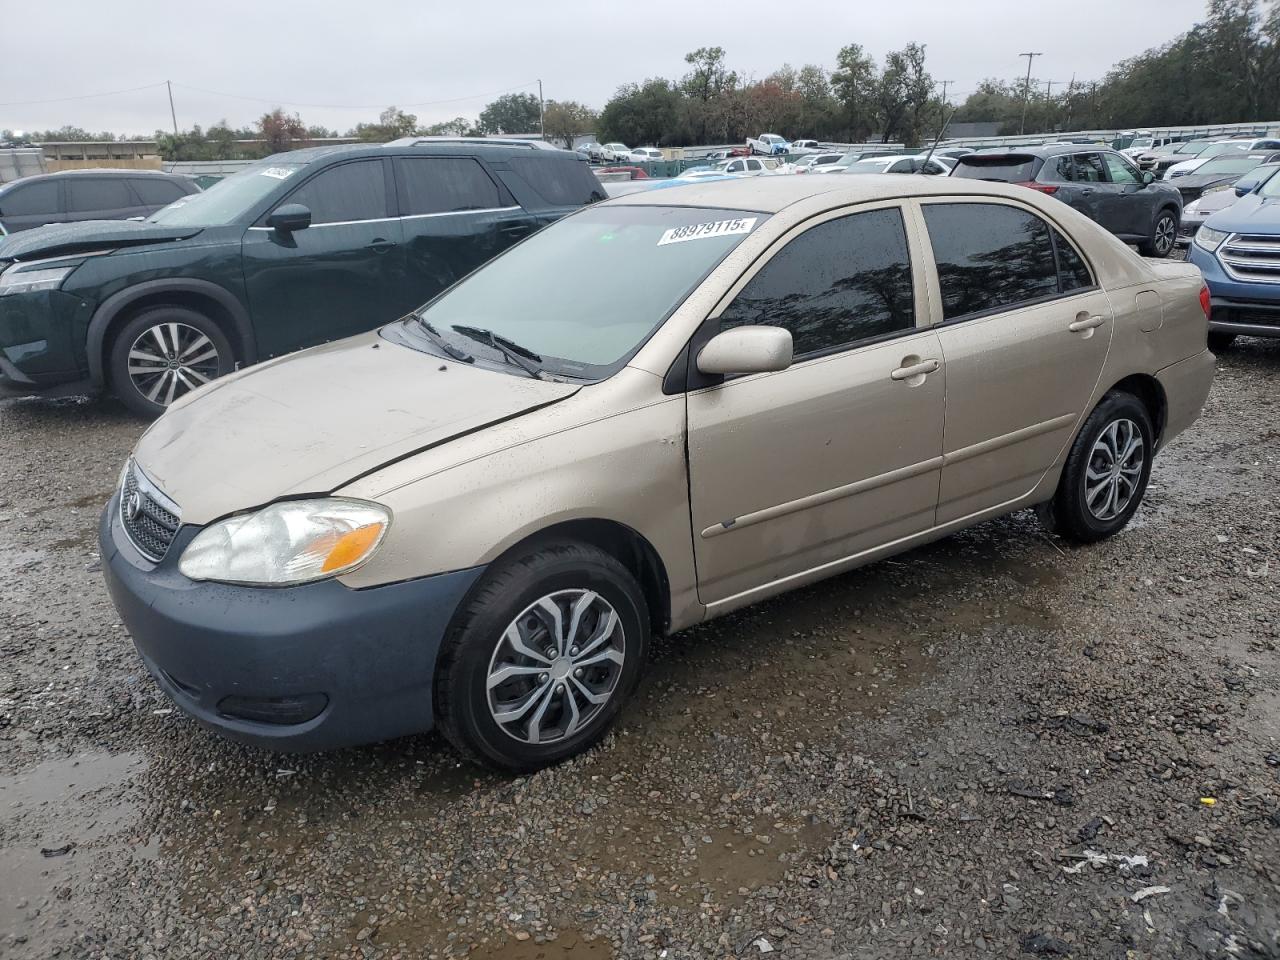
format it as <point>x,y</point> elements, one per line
<point>338,64</point>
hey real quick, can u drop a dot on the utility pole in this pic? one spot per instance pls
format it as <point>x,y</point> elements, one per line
<point>945,84</point>
<point>542,125</point>
<point>172,112</point>
<point>1026,93</point>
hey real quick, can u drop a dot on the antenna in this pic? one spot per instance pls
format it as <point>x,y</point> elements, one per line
<point>936,140</point>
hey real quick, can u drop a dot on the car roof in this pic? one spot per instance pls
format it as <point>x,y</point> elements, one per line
<point>100,171</point>
<point>1043,151</point>
<point>439,146</point>
<point>774,194</point>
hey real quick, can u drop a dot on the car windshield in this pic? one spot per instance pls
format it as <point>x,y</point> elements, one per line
<point>1190,146</point>
<point>867,166</point>
<point>1271,189</point>
<point>1229,165</point>
<point>1141,143</point>
<point>586,292</point>
<point>1218,149</point>
<point>228,200</point>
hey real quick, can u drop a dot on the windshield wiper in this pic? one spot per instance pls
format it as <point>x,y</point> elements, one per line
<point>522,357</point>
<point>460,355</point>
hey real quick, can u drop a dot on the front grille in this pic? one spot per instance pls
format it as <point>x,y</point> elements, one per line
<point>1249,256</point>
<point>149,518</point>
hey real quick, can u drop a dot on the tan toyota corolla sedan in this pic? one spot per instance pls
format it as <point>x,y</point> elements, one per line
<point>651,413</point>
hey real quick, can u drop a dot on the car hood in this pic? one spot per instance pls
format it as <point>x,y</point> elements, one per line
<point>312,422</point>
<point>1249,214</point>
<point>61,239</point>
<point>1211,203</point>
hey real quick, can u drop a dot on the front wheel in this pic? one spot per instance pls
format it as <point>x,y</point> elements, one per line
<point>1164,234</point>
<point>163,353</point>
<point>1106,471</point>
<point>540,661</point>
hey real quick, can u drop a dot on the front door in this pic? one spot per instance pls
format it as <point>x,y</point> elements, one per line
<point>1024,336</point>
<point>342,275</point>
<point>794,471</point>
<point>1123,210</point>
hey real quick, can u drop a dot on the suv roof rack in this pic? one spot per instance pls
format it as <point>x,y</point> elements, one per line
<point>478,141</point>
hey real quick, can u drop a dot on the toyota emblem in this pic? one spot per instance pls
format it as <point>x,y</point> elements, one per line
<point>132,506</point>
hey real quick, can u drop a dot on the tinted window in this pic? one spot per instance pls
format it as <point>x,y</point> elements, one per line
<point>1073,272</point>
<point>155,191</point>
<point>1010,169</point>
<point>349,191</point>
<point>989,256</point>
<point>558,181</point>
<point>1120,171</point>
<point>842,281</point>
<point>444,185</point>
<point>93,193</point>
<point>31,200</point>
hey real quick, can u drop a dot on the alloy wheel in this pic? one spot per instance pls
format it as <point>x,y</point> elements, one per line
<point>1166,234</point>
<point>1115,469</point>
<point>555,666</point>
<point>170,359</point>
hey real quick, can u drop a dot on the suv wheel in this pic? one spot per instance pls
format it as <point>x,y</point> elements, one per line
<point>164,353</point>
<point>542,657</point>
<point>1164,233</point>
<point>1106,471</point>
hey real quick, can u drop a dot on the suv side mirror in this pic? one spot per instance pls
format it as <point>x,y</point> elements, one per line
<point>1245,187</point>
<point>749,349</point>
<point>1148,178</point>
<point>290,217</point>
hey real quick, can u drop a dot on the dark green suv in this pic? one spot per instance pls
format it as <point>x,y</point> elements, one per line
<point>294,250</point>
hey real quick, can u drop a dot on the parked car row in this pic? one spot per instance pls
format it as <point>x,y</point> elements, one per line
<point>295,250</point>
<point>476,517</point>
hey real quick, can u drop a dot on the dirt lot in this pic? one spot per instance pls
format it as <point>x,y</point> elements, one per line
<point>997,746</point>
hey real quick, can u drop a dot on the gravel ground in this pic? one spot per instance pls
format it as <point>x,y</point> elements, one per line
<point>996,746</point>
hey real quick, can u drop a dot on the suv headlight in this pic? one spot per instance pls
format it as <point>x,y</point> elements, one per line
<point>296,541</point>
<point>1210,240</point>
<point>16,280</point>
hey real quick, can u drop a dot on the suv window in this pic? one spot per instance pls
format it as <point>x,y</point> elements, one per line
<point>97,193</point>
<point>842,281</point>
<point>559,181</point>
<point>155,191</point>
<point>444,185</point>
<point>1010,168</point>
<point>348,191</point>
<point>989,257</point>
<point>30,200</point>
<point>1120,171</point>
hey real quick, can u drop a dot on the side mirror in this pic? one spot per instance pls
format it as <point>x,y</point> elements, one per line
<point>750,349</point>
<point>290,217</point>
<point>1245,187</point>
<point>1148,178</point>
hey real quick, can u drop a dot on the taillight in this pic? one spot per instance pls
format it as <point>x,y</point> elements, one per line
<point>1204,300</point>
<point>1041,187</point>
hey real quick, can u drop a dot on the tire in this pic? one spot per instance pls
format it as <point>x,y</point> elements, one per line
<point>1219,341</point>
<point>1118,418</point>
<point>1164,235</point>
<point>150,338</point>
<point>497,726</point>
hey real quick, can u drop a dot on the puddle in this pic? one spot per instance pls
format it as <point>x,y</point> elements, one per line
<point>80,801</point>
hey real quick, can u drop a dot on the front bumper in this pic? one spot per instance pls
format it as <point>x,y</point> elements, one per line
<point>335,666</point>
<point>1248,308</point>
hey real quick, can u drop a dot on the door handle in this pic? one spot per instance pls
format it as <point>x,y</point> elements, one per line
<point>381,244</point>
<point>913,368</point>
<point>1084,322</point>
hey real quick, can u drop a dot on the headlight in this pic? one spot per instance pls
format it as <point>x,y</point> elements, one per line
<point>17,280</point>
<point>1211,240</point>
<point>292,542</point>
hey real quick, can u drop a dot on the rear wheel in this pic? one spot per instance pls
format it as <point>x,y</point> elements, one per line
<point>164,353</point>
<point>542,658</point>
<point>1106,472</point>
<point>1219,341</point>
<point>1164,233</point>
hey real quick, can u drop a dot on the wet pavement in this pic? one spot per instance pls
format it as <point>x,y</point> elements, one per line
<point>997,745</point>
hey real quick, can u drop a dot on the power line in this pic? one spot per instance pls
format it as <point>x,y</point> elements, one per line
<point>349,106</point>
<point>83,96</point>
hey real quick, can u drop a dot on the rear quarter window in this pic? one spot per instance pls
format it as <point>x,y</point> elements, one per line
<point>1015,169</point>
<point>559,182</point>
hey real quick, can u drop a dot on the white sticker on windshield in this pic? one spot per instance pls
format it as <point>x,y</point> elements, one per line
<point>704,231</point>
<point>279,173</point>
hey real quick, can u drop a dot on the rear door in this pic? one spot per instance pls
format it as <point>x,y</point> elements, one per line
<point>100,198</point>
<point>30,205</point>
<point>1025,331</point>
<point>795,471</point>
<point>342,275</point>
<point>455,218</point>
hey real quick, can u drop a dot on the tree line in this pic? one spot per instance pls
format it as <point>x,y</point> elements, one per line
<point>1225,69</point>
